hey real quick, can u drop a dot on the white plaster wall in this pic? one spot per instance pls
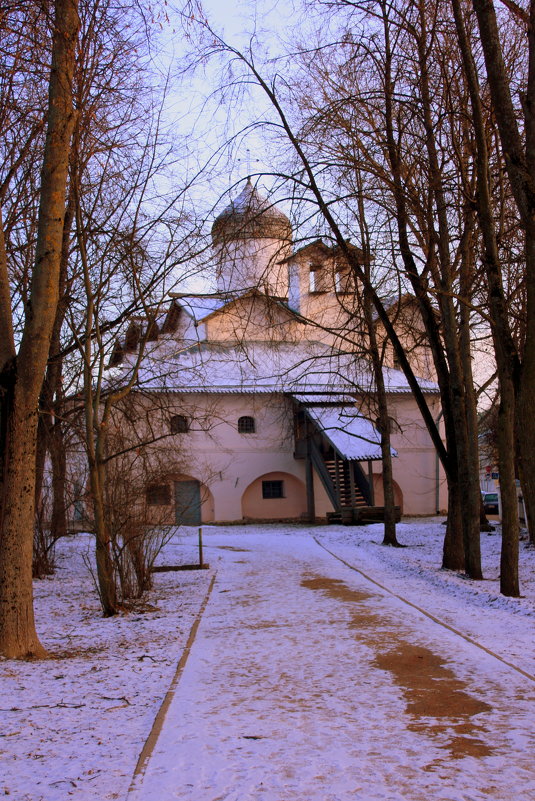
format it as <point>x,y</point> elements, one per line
<point>246,263</point>
<point>227,461</point>
<point>415,468</point>
<point>334,313</point>
<point>245,321</point>
<point>322,502</point>
<point>293,504</point>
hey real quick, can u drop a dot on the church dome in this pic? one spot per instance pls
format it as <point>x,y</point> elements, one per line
<point>250,216</point>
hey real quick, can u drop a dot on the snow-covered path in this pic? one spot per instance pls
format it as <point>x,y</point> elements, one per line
<point>307,683</point>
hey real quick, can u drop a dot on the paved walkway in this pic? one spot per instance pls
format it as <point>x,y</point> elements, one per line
<point>307,683</point>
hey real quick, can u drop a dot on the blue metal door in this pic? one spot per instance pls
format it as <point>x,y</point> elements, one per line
<point>187,503</point>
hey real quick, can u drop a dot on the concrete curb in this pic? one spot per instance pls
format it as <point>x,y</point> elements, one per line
<point>156,729</point>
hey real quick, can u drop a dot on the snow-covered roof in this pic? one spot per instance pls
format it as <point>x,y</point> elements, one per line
<point>396,382</point>
<point>317,398</point>
<point>198,307</point>
<point>258,367</point>
<point>351,434</point>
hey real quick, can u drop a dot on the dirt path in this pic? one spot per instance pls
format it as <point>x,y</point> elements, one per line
<point>306,683</point>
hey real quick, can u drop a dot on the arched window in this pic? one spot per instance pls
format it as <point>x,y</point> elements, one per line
<point>246,425</point>
<point>179,424</point>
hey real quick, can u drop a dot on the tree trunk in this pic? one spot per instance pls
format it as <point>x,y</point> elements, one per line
<point>509,582</point>
<point>454,552</point>
<point>507,359</point>
<point>389,537</point>
<point>526,391</point>
<point>526,480</point>
<point>50,431</point>
<point>105,572</point>
<point>444,284</point>
<point>520,166</point>
<point>95,442</point>
<point>18,637</point>
<point>40,458</point>
<point>453,548</point>
<point>58,523</point>
<point>466,281</point>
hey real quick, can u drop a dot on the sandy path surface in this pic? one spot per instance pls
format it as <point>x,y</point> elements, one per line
<point>307,683</point>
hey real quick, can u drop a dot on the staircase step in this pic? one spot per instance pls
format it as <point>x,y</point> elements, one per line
<point>354,516</point>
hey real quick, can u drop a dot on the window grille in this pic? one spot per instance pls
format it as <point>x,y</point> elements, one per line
<point>158,495</point>
<point>272,489</point>
<point>179,424</point>
<point>246,425</point>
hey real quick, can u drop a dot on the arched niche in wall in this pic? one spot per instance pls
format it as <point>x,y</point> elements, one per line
<point>379,496</point>
<point>188,501</point>
<point>274,496</point>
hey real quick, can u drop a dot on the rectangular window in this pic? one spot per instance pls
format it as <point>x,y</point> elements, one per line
<point>159,495</point>
<point>272,489</point>
<point>179,424</point>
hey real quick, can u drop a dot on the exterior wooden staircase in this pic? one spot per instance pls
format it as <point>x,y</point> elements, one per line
<point>349,493</point>
<point>343,479</point>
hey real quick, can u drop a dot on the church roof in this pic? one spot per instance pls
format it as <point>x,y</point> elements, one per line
<point>318,247</point>
<point>199,307</point>
<point>250,216</point>
<point>256,368</point>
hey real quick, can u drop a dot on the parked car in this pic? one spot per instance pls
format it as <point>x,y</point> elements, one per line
<point>490,503</point>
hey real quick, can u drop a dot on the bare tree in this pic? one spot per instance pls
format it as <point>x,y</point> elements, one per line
<point>517,136</point>
<point>507,357</point>
<point>126,252</point>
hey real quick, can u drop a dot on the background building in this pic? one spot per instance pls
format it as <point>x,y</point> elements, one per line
<point>265,391</point>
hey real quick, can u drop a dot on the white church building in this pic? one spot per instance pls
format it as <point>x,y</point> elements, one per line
<point>262,393</point>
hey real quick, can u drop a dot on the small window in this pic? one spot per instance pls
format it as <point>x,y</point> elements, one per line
<point>179,424</point>
<point>246,425</point>
<point>158,495</point>
<point>272,489</point>
<point>317,278</point>
<point>338,281</point>
<point>342,281</point>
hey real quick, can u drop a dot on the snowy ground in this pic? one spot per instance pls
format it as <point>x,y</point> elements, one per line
<point>304,682</point>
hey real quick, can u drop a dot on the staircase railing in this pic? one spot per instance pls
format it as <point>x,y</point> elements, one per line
<point>362,482</point>
<point>349,486</point>
<point>325,477</point>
